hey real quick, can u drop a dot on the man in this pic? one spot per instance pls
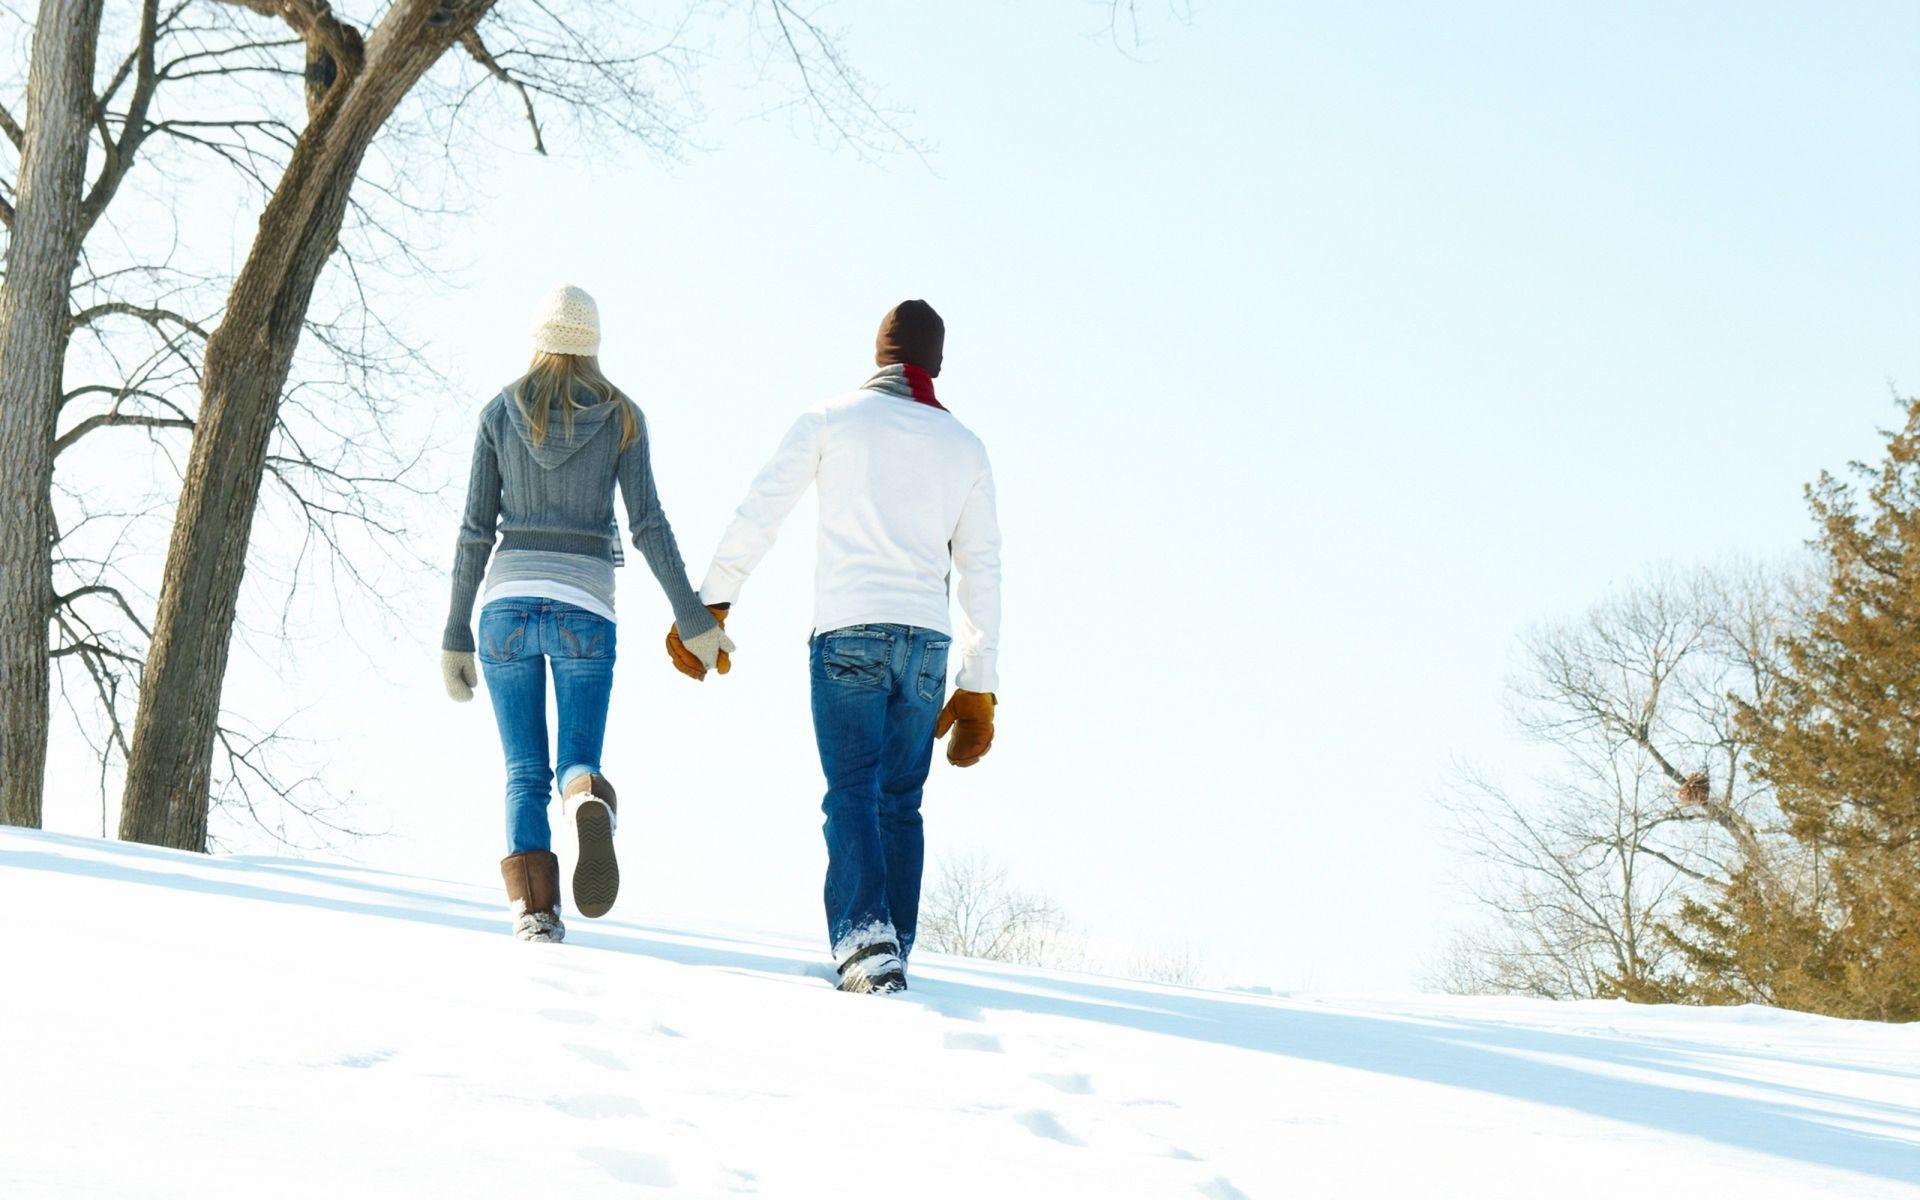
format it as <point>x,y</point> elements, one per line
<point>906,497</point>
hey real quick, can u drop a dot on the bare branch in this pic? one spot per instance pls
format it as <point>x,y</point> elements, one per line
<point>113,593</point>
<point>842,98</point>
<point>151,315</point>
<point>478,49</point>
<point>115,421</point>
<point>215,61</point>
<point>335,50</point>
<point>119,155</point>
<point>93,650</point>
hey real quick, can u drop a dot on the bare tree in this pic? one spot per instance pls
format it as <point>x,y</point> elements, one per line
<point>972,910</point>
<point>1648,798</point>
<point>353,83</point>
<point>136,318</point>
<point>1181,963</point>
<point>45,228</point>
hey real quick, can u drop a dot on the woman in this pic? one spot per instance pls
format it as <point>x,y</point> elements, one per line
<point>552,446</point>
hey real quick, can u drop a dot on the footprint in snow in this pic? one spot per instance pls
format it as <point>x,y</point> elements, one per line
<point>1222,1189</point>
<point>973,1041</point>
<point>627,1167</point>
<point>1183,1155</point>
<point>1072,1085</point>
<point>1042,1123</point>
<point>569,1016</point>
<point>816,970</point>
<point>597,1106</point>
<point>666,1031</point>
<point>597,1056</point>
<point>371,1058</point>
<point>953,1010</point>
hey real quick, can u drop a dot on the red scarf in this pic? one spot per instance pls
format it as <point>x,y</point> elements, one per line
<point>922,385</point>
<point>909,383</point>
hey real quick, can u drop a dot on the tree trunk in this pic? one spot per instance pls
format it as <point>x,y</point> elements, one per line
<point>45,244</point>
<point>170,766</point>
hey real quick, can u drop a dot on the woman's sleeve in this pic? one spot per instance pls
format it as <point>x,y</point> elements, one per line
<point>653,536</point>
<point>479,526</point>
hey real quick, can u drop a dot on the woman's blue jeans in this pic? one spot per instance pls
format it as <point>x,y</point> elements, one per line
<point>877,692</point>
<point>519,638</point>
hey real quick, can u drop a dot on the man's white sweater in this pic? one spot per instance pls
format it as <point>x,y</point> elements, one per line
<point>906,498</point>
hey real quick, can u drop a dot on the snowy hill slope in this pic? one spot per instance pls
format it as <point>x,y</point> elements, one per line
<point>173,1025</point>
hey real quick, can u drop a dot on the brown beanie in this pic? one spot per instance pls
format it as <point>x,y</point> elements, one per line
<point>911,333</point>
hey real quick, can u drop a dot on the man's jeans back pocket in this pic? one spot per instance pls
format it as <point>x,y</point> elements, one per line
<point>860,657</point>
<point>933,671</point>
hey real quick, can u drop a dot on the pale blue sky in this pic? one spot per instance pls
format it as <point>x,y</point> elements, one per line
<point>1319,350</point>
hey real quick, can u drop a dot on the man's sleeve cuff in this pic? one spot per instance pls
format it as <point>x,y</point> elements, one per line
<point>719,589</point>
<point>978,674</point>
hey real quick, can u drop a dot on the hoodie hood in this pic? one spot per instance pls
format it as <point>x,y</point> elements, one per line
<point>561,441</point>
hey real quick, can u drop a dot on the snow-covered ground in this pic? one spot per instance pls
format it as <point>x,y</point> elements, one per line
<point>175,1025</point>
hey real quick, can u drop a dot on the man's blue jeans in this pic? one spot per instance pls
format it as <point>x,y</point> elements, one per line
<point>519,637</point>
<point>877,691</point>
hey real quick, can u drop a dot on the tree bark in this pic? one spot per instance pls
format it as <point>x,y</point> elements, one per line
<point>42,252</point>
<point>170,767</point>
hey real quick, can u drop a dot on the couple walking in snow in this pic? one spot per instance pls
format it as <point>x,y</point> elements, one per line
<point>906,499</point>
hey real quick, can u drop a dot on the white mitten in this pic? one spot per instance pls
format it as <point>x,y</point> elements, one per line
<point>461,673</point>
<point>709,646</point>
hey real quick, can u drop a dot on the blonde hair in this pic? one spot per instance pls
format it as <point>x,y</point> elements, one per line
<point>551,381</point>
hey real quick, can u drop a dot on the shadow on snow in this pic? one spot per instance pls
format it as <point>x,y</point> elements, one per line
<point>1580,1072</point>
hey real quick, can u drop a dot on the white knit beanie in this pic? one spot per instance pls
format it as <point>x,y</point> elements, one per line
<point>567,321</point>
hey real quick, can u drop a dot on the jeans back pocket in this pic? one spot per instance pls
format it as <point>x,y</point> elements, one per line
<point>583,634</point>
<point>503,631</point>
<point>863,657</point>
<point>933,671</point>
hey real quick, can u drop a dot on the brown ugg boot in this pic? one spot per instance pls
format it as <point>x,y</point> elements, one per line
<point>533,888</point>
<point>596,876</point>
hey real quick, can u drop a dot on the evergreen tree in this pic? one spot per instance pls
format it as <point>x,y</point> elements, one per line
<point>1839,740</point>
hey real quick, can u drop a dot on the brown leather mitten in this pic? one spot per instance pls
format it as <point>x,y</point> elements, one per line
<point>686,661</point>
<point>970,716</point>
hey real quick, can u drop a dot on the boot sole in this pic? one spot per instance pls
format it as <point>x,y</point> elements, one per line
<point>596,876</point>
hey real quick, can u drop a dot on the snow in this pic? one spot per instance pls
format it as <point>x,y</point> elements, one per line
<point>179,1025</point>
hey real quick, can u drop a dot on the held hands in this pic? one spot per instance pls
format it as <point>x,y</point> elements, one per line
<point>970,716</point>
<point>460,672</point>
<point>709,651</point>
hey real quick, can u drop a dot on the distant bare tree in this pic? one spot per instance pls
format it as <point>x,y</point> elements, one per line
<point>1649,797</point>
<point>1182,963</point>
<point>972,910</point>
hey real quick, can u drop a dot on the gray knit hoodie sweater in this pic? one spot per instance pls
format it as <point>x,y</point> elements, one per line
<point>558,496</point>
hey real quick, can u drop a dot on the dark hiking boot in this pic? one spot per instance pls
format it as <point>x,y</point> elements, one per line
<point>596,876</point>
<point>875,969</point>
<point>533,889</point>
